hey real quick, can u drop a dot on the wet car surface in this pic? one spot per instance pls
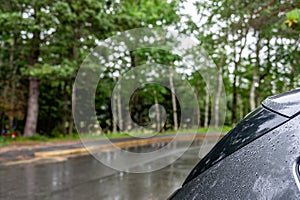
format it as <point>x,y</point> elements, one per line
<point>258,159</point>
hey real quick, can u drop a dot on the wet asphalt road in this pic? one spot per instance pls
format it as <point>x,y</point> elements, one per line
<point>29,152</point>
<point>86,178</point>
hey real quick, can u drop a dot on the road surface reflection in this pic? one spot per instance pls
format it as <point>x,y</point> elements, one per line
<point>86,178</point>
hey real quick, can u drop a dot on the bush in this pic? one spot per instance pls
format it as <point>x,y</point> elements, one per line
<point>4,141</point>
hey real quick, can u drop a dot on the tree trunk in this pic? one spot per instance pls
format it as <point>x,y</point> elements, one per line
<point>252,90</point>
<point>75,57</point>
<point>71,124</point>
<point>237,60</point>
<point>206,114</point>
<point>234,97</point>
<point>33,107</point>
<point>34,89</point>
<point>158,123</point>
<point>197,111</point>
<point>241,107</point>
<point>12,100</point>
<point>119,107</point>
<point>174,106</point>
<point>114,111</point>
<point>128,124</point>
<point>216,114</point>
<point>71,127</point>
<point>65,108</point>
<point>2,122</point>
<point>198,114</point>
<point>255,77</point>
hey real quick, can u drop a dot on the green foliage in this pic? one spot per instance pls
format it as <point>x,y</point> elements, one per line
<point>48,40</point>
<point>293,19</point>
<point>3,141</point>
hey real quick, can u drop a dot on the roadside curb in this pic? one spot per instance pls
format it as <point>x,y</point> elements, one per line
<point>110,147</point>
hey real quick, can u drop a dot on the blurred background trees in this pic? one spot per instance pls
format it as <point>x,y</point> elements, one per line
<point>255,46</point>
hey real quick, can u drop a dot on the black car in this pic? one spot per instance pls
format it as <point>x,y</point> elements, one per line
<point>258,159</point>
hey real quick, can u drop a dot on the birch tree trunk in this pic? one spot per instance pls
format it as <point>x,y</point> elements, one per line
<point>237,61</point>
<point>234,97</point>
<point>174,106</point>
<point>252,90</point>
<point>114,112</point>
<point>198,114</point>
<point>158,122</point>
<point>119,107</point>
<point>206,105</point>
<point>255,75</point>
<point>113,121</point>
<point>216,109</point>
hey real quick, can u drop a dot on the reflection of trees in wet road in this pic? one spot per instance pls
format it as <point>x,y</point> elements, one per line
<point>86,178</point>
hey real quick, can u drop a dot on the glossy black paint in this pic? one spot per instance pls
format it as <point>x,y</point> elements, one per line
<point>266,168</point>
<point>255,124</point>
<point>287,104</point>
<point>258,159</point>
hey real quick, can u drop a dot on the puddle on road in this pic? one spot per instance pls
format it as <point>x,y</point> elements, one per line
<point>86,178</point>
